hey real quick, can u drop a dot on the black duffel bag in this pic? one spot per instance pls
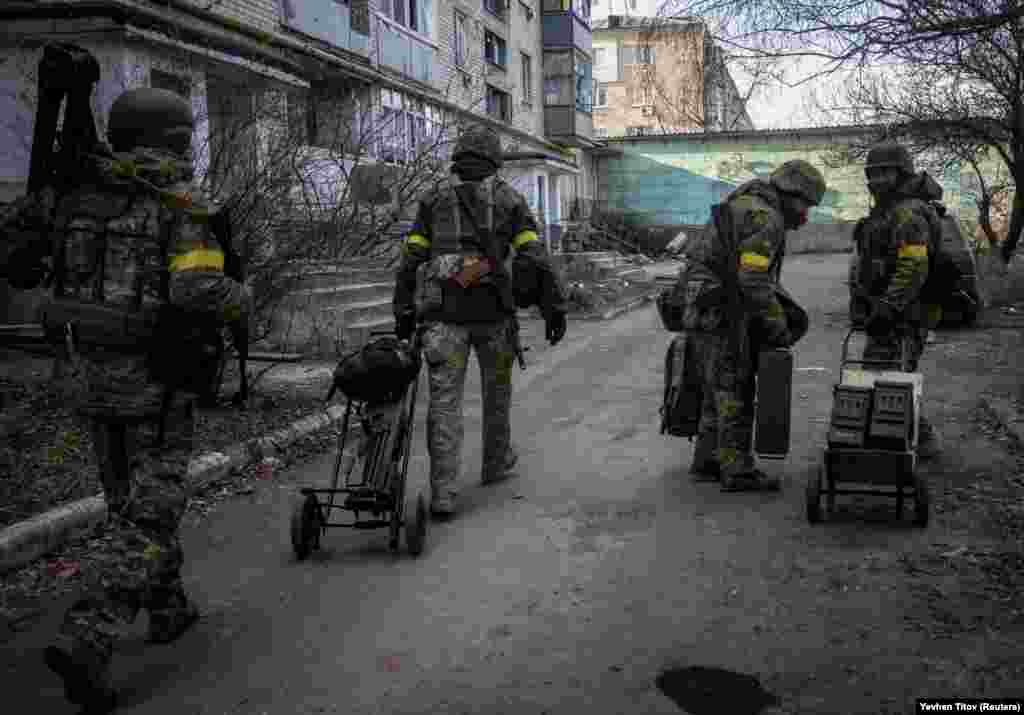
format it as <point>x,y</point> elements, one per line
<point>379,372</point>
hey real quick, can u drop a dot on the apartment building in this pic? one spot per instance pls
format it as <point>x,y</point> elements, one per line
<point>661,76</point>
<point>386,80</point>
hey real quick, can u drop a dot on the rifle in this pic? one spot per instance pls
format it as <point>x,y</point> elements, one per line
<point>517,345</point>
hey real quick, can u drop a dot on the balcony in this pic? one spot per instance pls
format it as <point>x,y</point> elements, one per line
<point>565,27</point>
<point>329,21</point>
<point>568,97</point>
<point>404,51</point>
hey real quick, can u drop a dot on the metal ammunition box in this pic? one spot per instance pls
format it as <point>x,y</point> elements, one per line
<point>892,413</point>
<point>774,401</point>
<point>851,407</point>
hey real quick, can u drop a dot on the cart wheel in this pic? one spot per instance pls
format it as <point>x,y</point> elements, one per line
<point>305,528</point>
<point>416,520</point>
<point>921,501</point>
<point>813,495</point>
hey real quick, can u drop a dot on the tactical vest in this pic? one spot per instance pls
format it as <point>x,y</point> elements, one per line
<point>113,246</point>
<point>464,247</point>
<point>877,250</point>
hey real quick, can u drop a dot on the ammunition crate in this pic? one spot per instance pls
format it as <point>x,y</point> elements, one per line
<point>892,413</point>
<point>851,408</point>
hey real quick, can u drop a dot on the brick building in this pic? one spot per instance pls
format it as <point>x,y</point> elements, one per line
<point>661,76</point>
<point>383,79</point>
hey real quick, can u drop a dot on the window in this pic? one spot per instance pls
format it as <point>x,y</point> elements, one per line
<point>582,9</point>
<point>600,132</point>
<point>494,49</point>
<point>496,7</point>
<point>170,82</point>
<point>498,104</point>
<point>414,14</point>
<point>645,55</point>
<point>600,53</point>
<point>643,96</point>
<point>527,78</point>
<point>460,39</point>
<point>601,96</point>
<point>407,126</point>
<point>558,79</point>
<point>584,83</point>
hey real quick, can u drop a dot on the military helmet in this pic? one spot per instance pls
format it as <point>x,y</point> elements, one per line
<point>890,154</point>
<point>800,178</point>
<point>150,117</point>
<point>156,500</point>
<point>482,141</point>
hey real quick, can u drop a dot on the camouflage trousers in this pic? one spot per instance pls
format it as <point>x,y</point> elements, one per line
<point>725,434</point>
<point>888,347</point>
<point>446,349</point>
<point>145,486</point>
<point>138,569</point>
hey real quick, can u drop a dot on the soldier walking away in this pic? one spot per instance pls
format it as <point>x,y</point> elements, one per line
<point>735,307</point>
<point>125,244</point>
<point>454,282</point>
<point>895,243</point>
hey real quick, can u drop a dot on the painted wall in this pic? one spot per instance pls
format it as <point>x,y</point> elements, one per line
<point>675,180</point>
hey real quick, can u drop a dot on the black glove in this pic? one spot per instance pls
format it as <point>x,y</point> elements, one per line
<point>554,327</point>
<point>882,320</point>
<point>405,326</point>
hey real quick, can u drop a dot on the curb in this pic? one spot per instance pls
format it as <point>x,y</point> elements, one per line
<point>28,540</point>
<point>1008,415</point>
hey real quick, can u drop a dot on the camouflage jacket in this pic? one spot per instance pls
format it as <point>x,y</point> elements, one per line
<point>757,217</point>
<point>894,243</point>
<point>453,272</point>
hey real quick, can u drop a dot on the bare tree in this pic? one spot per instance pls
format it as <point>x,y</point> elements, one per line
<point>952,68</point>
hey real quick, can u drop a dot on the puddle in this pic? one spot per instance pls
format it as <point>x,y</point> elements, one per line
<point>699,690</point>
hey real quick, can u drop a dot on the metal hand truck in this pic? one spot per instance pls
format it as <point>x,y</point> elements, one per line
<point>873,435</point>
<point>376,497</point>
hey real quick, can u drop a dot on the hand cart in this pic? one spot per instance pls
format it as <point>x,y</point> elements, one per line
<point>873,434</point>
<point>375,495</point>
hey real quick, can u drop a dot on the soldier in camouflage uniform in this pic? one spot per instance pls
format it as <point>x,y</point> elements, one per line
<point>894,243</point>
<point>761,212</point>
<point>454,282</point>
<point>132,235</point>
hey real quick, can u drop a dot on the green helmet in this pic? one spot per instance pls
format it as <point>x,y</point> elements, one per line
<point>890,154</point>
<point>150,117</point>
<point>800,178</point>
<point>482,141</point>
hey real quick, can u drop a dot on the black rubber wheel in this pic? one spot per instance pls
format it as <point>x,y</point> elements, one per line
<point>922,501</point>
<point>305,527</point>
<point>416,519</point>
<point>813,496</point>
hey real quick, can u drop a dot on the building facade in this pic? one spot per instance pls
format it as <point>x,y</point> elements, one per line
<point>357,85</point>
<point>661,76</point>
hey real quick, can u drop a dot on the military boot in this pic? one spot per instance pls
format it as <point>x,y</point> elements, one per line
<point>507,469</point>
<point>85,674</point>
<point>929,444</point>
<point>705,467</point>
<point>168,625</point>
